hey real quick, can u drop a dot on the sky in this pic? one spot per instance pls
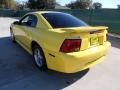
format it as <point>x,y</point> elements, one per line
<point>105,3</point>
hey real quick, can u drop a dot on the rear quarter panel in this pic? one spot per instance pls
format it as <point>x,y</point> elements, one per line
<point>49,40</point>
<point>47,37</point>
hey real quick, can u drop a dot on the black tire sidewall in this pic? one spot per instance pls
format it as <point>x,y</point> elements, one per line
<point>11,33</point>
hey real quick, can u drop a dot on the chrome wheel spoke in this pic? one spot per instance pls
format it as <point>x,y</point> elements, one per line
<point>38,57</point>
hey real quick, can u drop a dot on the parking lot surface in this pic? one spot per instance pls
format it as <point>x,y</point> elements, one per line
<point>18,72</point>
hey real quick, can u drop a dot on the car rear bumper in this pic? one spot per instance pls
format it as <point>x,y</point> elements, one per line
<point>77,61</point>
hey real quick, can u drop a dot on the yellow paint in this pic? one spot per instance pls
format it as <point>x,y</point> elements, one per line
<point>50,40</point>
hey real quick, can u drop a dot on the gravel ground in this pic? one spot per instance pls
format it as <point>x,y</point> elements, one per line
<point>18,72</point>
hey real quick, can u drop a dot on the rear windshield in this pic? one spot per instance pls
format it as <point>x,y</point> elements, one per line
<point>63,20</point>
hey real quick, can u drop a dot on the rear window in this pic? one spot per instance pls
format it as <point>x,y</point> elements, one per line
<point>63,20</point>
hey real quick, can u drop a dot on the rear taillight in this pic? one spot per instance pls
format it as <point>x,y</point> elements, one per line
<point>70,45</point>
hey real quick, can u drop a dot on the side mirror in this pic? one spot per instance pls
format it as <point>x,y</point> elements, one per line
<point>16,22</point>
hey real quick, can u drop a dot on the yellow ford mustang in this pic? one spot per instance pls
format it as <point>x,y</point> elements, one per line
<point>60,41</point>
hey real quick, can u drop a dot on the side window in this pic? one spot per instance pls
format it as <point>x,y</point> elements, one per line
<point>24,21</point>
<point>33,20</point>
<point>30,21</point>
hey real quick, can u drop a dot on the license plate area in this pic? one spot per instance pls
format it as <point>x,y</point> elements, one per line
<point>94,41</point>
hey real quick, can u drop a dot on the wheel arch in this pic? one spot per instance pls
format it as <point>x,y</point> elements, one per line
<point>33,43</point>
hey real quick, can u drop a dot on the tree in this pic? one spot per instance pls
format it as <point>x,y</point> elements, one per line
<point>41,4</point>
<point>2,4</point>
<point>118,6</point>
<point>97,5</point>
<point>22,5</point>
<point>8,4</point>
<point>80,4</point>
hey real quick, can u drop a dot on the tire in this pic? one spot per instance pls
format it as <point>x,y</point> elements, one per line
<point>39,58</point>
<point>12,36</point>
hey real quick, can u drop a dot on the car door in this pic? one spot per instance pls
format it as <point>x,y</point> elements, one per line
<point>28,25</point>
<point>18,29</point>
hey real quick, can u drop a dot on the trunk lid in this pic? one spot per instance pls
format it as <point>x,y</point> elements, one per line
<point>90,36</point>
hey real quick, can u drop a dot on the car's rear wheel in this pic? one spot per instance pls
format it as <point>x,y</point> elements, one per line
<point>39,58</point>
<point>12,36</point>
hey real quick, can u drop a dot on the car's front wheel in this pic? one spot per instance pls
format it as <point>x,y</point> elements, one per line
<point>39,58</point>
<point>12,36</point>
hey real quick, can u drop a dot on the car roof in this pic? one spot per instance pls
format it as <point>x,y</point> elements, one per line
<point>42,12</point>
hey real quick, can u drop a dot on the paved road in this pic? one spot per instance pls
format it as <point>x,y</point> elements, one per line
<point>18,72</point>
